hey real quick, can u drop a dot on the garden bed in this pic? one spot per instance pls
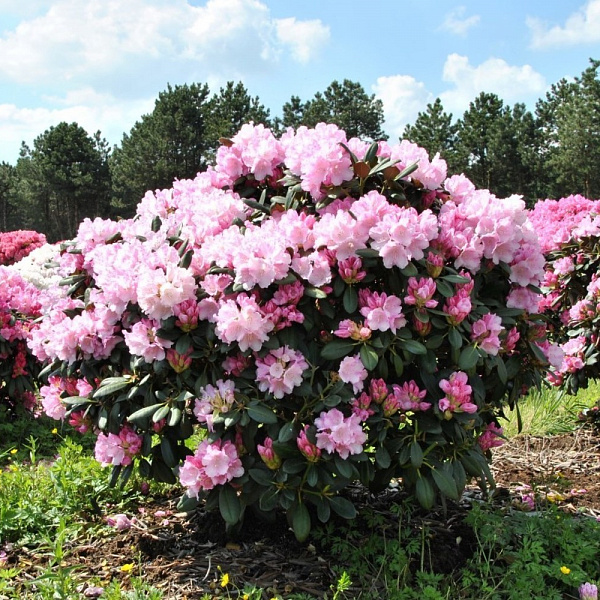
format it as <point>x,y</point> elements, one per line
<point>186,556</point>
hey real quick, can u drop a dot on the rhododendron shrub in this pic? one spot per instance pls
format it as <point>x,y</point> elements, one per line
<point>20,305</point>
<point>15,245</point>
<point>570,230</point>
<point>325,310</point>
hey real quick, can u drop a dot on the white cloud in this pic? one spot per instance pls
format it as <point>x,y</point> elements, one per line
<point>582,27</point>
<point>83,41</point>
<point>305,38</point>
<point>456,23</point>
<point>90,110</point>
<point>403,98</point>
<point>511,83</point>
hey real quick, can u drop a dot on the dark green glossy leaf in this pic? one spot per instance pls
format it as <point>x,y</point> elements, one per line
<point>230,506</point>
<point>425,492</point>
<point>261,413</point>
<point>337,349</point>
<point>300,521</point>
<point>468,358</point>
<point>369,357</point>
<point>343,507</point>
<point>445,483</point>
<point>350,300</point>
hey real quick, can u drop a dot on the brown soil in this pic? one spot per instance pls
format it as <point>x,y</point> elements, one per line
<point>187,556</point>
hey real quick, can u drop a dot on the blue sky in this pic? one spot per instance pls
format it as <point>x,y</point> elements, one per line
<point>102,63</point>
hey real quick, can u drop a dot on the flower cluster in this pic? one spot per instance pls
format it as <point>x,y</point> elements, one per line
<point>15,245</point>
<point>571,286</point>
<point>39,267</point>
<point>20,305</point>
<point>326,310</point>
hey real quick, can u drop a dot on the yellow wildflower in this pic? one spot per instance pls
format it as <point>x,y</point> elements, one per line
<point>565,570</point>
<point>127,568</point>
<point>14,451</point>
<point>224,580</point>
<point>55,431</point>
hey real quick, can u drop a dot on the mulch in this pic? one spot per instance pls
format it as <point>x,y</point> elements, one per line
<point>187,555</point>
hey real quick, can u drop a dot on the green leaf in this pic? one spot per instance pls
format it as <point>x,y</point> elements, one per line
<point>144,413</point>
<point>413,346</point>
<point>262,477</point>
<point>269,500</point>
<point>425,492</point>
<point>468,358</point>
<point>175,416</point>
<point>454,337</point>
<point>187,504</point>
<point>369,357</point>
<point>350,300</point>
<point>398,364</point>
<point>168,453</point>
<point>76,400</point>
<point>161,472</point>
<point>286,433</point>
<point>382,457</point>
<point>110,385</point>
<point>501,366</point>
<point>416,455</point>
<point>367,253</point>
<point>337,349</point>
<point>314,292</point>
<point>256,206</point>
<point>161,413</point>
<point>300,521</point>
<point>410,270</point>
<point>343,467</point>
<point>261,413</point>
<point>444,288</point>
<point>445,483</point>
<point>323,510</point>
<point>230,506</point>
<point>343,507</point>
<point>455,278</point>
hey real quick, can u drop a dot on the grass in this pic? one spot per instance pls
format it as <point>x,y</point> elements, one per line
<point>550,411</point>
<point>52,492</point>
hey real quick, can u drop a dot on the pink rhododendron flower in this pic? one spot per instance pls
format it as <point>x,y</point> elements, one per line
<point>521,297</point>
<point>381,311</point>
<point>242,321</point>
<point>120,521</point>
<point>119,449</point>
<point>361,407</point>
<point>213,463</point>
<point>159,291</point>
<point>420,292</point>
<point>336,433</point>
<point>458,395</point>
<point>410,397</point>
<point>214,401</point>
<point>353,371</point>
<point>491,437</point>
<point>144,341</point>
<point>486,331</point>
<point>349,329</point>
<point>351,270</point>
<point>403,236</point>
<point>280,371</point>
<point>317,157</point>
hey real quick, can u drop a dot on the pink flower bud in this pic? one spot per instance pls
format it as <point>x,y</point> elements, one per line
<point>268,454</point>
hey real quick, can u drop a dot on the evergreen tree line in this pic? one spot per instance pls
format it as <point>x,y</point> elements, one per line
<point>68,174</point>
